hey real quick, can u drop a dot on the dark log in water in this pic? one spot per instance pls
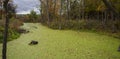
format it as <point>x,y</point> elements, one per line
<point>119,49</point>
<point>33,42</point>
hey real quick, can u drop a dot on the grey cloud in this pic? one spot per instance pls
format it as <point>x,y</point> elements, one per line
<point>26,5</point>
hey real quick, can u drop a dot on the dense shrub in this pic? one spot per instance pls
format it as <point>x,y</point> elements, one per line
<point>13,27</point>
<point>12,35</point>
<point>15,23</point>
<point>91,25</point>
<point>73,24</point>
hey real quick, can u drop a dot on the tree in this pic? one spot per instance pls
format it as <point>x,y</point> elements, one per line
<point>0,9</point>
<point>108,5</point>
<point>112,8</point>
<point>12,9</point>
<point>47,9</point>
<point>61,4</point>
<point>74,9</point>
<point>68,18</point>
<point>55,5</point>
<point>50,9</point>
<point>32,16</point>
<point>4,50</point>
<point>41,10</point>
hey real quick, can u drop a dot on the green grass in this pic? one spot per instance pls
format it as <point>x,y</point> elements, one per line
<point>62,44</point>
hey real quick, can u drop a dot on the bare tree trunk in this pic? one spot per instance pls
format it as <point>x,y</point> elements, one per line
<point>41,20</point>
<point>60,14</point>
<point>105,19</point>
<point>83,8</point>
<point>98,15</point>
<point>102,19</point>
<point>47,9</point>
<point>55,1</point>
<point>4,50</point>
<point>68,18</point>
<point>79,11</point>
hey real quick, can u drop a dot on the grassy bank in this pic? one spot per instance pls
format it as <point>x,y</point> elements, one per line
<point>12,35</point>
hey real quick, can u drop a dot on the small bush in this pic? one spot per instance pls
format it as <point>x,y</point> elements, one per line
<point>13,27</point>
<point>15,24</point>
<point>13,34</point>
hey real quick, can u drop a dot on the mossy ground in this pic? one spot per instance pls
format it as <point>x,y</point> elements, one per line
<point>62,44</point>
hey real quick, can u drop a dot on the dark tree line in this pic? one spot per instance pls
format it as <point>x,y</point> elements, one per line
<point>77,8</point>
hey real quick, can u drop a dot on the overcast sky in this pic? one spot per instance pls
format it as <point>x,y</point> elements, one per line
<point>25,6</point>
